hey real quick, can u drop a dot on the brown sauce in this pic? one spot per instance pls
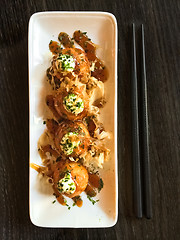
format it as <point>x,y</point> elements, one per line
<point>65,39</point>
<point>95,183</point>
<point>91,127</point>
<point>94,180</point>
<point>54,47</point>
<point>78,201</point>
<point>83,40</point>
<point>100,71</point>
<point>61,199</point>
<point>90,190</point>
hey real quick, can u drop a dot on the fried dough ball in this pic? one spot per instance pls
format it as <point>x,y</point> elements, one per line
<point>78,173</point>
<point>72,139</point>
<point>82,65</point>
<point>71,105</point>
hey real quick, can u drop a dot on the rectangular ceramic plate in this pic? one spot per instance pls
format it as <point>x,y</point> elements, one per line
<point>101,27</point>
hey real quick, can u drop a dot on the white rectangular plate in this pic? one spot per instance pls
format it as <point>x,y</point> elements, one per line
<point>101,27</point>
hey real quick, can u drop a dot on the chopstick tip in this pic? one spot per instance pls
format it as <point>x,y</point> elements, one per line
<point>142,27</point>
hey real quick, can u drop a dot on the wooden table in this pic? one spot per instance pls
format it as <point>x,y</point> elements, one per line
<point>160,18</point>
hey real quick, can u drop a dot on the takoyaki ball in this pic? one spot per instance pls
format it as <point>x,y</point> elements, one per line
<point>69,61</point>
<point>81,63</point>
<point>70,178</point>
<point>72,138</point>
<point>71,105</point>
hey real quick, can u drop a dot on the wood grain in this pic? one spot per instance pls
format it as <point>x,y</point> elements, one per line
<point>160,18</point>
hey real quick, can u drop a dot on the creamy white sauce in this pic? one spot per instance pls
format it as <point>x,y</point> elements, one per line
<point>69,142</point>
<point>66,184</point>
<point>74,104</point>
<point>65,63</point>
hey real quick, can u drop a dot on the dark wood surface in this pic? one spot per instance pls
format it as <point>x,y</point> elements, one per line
<point>161,21</point>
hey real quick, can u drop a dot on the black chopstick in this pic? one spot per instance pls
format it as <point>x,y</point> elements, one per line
<point>140,134</point>
<point>137,191</point>
<point>145,134</point>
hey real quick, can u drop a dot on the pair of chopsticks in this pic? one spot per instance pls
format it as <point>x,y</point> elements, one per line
<point>140,141</point>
